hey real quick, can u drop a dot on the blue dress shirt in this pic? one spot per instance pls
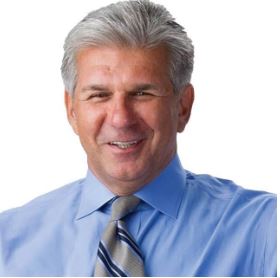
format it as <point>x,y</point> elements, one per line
<point>185,225</point>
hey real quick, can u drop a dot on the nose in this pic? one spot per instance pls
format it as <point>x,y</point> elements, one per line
<point>121,114</point>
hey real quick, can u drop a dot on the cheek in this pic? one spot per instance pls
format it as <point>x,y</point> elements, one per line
<point>162,119</point>
<point>150,115</point>
<point>89,121</point>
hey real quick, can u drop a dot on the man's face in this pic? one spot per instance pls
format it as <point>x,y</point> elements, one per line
<point>126,114</point>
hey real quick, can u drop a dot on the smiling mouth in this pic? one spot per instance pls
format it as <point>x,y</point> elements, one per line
<point>124,145</point>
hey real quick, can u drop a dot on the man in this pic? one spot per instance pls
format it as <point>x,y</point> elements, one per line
<point>127,70</point>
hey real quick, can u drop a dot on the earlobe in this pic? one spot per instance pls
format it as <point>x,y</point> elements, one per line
<point>185,106</point>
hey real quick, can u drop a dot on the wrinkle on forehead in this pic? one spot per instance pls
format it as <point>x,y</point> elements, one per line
<point>123,67</point>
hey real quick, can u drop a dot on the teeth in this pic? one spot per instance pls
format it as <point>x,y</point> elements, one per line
<point>123,145</point>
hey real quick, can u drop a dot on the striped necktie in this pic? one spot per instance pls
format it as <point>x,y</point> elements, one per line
<point>118,254</point>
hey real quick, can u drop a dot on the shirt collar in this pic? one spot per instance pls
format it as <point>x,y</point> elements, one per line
<point>94,195</point>
<point>164,193</point>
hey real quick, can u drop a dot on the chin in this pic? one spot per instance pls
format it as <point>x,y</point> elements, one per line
<point>128,174</point>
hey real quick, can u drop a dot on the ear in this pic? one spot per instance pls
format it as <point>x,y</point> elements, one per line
<point>71,115</point>
<point>186,99</point>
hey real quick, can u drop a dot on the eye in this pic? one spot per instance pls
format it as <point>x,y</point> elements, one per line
<point>142,93</point>
<point>98,95</point>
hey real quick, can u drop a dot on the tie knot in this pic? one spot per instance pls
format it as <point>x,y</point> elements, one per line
<point>122,206</point>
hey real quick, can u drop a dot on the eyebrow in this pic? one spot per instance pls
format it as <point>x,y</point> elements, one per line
<point>144,87</point>
<point>94,88</point>
<point>138,87</point>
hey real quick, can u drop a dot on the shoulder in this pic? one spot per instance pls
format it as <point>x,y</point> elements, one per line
<point>37,227</point>
<point>236,203</point>
<point>51,203</point>
<point>244,220</point>
<point>226,189</point>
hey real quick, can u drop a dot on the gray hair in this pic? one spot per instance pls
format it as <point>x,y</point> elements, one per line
<point>135,23</point>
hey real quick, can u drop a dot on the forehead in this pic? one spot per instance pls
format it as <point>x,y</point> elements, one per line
<point>122,64</point>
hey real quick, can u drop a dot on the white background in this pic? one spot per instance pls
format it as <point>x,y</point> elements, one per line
<point>234,129</point>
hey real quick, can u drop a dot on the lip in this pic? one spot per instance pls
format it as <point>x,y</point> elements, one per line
<point>124,144</point>
<point>131,149</point>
